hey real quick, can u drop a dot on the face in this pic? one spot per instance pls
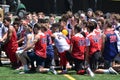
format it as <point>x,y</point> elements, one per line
<point>16,27</point>
<point>34,17</point>
<point>35,30</point>
<point>89,13</point>
<point>62,24</point>
<point>6,23</point>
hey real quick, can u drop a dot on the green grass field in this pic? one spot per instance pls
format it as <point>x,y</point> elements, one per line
<point>6,73</point>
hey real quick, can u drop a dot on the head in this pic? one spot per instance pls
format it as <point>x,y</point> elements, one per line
<point>16,25</point>
<point>90,13</point>
<point>91,25</point>
<point>30,28</point>
<point>77,29</point>
<point>100,23</point>
<point>29,16</point>
<point>52,18</point>
<point>41,15</point>
<point>55,27</point>
<point>34,17</point>
<point>63,21</point>
<point>108,24</point>
<point>36,28</point>
<point>7,21</point>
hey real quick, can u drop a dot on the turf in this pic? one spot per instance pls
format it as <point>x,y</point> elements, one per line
<point>6,73</point>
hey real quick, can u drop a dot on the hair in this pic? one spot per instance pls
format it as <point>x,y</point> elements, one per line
<point>98,13</point>
<point>37,25</point>
<point>41,21</point>
<point>78,28</point>
<point>7,19</point>
<point>57,25</point>
<point>69,14</point>
<point>101,20</point>
<point>16,23</point>
<point>109,23</point>
<point>52,15</point>
<point>116,17</point>
<point>64,18</point>
<point>91,25</point>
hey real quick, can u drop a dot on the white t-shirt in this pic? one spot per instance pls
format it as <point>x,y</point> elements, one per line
<point>60,42</point>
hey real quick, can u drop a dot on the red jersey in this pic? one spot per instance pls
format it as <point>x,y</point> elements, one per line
<point>41,45</point>
<point>12,45</point>
<point>79,43</point>
<point>94,42</point>
<point>99,34</point>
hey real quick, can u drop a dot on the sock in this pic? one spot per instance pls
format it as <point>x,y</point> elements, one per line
<point>106,71</point>
<point>25,67</point>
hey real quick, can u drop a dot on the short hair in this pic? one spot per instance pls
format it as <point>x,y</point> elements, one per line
<point>78,28</point>
<point>109,23</point>
<point>41,21</point>
<point>37,25</point>
<point>16,23</point>
<point>91,25</point>
<point>7,19</point>
<point>55,25</point>
<point>52,15</point>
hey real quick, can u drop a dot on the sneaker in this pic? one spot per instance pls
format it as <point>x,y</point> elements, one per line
<point>89,71</point>
<point>112,71</point>
<point>25,72</point>
<point>53,70</point>
<point>22,72</point>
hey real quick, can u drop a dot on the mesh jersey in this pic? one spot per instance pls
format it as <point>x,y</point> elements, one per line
<point>110,49</point>
<point>94,42</point>
<point>79,43</point>
<point>40,46</point>
<point>61,42</point>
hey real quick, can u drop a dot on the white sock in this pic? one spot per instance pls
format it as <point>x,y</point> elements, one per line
<point>25,67</point>
<point>106,71</point>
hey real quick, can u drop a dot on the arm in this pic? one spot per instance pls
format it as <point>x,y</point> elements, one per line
<point>20,40</point>
<point>4,37</point>
<point>9,35</point>
<point>103,42</point>
<point>29,38</point>
<point>31,45</point>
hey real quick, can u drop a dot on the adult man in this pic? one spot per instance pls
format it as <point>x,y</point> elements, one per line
<point>10,43</point>
<point>3,35</point>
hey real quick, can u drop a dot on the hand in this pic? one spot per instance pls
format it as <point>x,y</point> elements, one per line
<point>19,52</point>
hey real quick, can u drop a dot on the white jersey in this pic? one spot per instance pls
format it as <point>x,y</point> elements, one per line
<point>61,42</point>
<point>118,39</point>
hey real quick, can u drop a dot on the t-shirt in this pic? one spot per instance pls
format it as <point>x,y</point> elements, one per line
<point>61,42</point>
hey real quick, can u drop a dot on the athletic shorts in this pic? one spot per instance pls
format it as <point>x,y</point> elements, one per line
<point>39,60</point>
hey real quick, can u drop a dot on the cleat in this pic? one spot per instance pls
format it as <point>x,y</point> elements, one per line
<point>89,71</point>
<point>112,71</point>
<point>53,70</point>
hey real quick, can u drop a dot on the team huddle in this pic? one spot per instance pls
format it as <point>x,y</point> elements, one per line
<point>85,42</point>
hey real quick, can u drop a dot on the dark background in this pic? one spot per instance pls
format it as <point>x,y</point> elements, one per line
<point>61,6</point>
